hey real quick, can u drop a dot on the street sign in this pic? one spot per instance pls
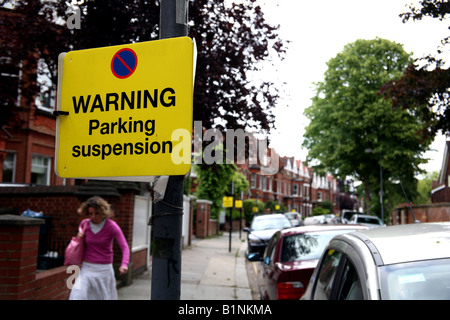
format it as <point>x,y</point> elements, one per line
<point>227,202</point>
<point>125,112</point>
<point>238,203</point>
<point>124,63</point>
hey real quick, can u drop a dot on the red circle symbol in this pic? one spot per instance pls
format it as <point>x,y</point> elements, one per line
<point>124,63</point>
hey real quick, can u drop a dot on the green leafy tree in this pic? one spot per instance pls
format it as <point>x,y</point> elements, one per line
<point>353,130</point>
<point>320,211</point>
<point>272,204</point>
<point>424,188</point>
<point>214,183</point>
<point>249,204</point>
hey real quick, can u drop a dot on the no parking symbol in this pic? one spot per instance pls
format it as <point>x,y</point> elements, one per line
<point>124,63</point>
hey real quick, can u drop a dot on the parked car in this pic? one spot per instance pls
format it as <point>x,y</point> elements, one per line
<point>294,218</point>
<point>330,218</point>
<point>314,220</point>
<point>320,219</point>
<point>290,258</point>
<point>404,262</point>
<point>346,215</point>
<point>261,230</point>
<point>370,221</point>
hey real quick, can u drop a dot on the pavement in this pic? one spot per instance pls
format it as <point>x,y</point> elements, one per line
<point>209,271</point>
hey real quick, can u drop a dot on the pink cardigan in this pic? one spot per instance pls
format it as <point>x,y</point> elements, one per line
<point>99,246</point>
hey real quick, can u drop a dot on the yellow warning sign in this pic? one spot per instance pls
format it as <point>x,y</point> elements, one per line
<point>125,111</point>
<point>227,202</point>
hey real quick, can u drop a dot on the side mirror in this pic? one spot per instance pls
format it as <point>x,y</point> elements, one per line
<point>254,257</point>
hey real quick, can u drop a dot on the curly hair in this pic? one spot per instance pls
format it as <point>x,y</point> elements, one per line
<point>100,204</point>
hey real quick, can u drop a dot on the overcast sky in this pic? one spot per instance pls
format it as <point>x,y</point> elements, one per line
<point>320,29</point>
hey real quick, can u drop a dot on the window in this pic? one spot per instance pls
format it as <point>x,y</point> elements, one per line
<point>47,91</point>
<point>9,82</point>
<point>417,280</point>
<point>40,170</point>
<point>9,167</point>
<point>269,253</point>
<point>326,275</point>
<point>350,288</point>
<point>295,189</point>
<point>319,196</point>
<point>253,181</point>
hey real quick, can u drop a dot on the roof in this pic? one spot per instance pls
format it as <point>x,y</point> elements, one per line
<point>445,161</point>
<point>411,242</point>
<point>322,227</point>
<point>270,216</point>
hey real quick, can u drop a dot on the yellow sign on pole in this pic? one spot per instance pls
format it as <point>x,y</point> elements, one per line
<point>126,111</point>
<point>238,203</point>
<point>227,202</point>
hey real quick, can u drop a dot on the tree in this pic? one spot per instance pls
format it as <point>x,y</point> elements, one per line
<point>353,130</point>
<point>214,182</point>
<point>424,87</point>
<point>424,188</point>
<point>231,40</point>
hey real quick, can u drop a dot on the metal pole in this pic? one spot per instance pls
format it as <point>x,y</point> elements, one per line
<point>168,215</point>
<point>231,216</point>
<point>381,192</point>
<point>173,19</point>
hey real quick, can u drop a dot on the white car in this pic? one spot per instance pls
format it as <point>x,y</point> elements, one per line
<point>404,262</point>
<point>369,221</point>
<point>294,218</point>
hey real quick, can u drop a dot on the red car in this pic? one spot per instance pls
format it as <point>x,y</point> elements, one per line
<point>291,256</point>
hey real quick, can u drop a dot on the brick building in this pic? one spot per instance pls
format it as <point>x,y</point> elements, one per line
<point>441,189</point>
<point>27,140</point>
<point>295,185</point>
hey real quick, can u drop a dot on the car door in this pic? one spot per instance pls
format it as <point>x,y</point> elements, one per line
<point>339,277</point>
<point>268,283</point>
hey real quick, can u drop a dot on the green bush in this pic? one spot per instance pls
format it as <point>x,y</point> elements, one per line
<point>318,211</point>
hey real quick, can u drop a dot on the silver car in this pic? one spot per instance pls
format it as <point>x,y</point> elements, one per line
<point>405,262</point>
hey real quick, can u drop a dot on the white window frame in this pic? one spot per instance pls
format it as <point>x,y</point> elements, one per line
<point>46,166</point>
<point>253,181</point>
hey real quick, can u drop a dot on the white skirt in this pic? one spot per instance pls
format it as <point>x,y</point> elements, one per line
<point>95,282</point>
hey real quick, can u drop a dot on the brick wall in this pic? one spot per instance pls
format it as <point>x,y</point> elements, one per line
<point>52,284</point>
<point>19,278</point>
<point>424,213</point>
<point>202,219</point>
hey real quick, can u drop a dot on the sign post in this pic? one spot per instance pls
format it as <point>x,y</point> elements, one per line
<point>167,218</point>
<point>125,113</point>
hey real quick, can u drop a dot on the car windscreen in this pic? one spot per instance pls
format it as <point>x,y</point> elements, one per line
<point>367,220</point>
<point>420,280</point>
<point>270,223</point>
<point>290,215</point>
<point>307,246</point>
